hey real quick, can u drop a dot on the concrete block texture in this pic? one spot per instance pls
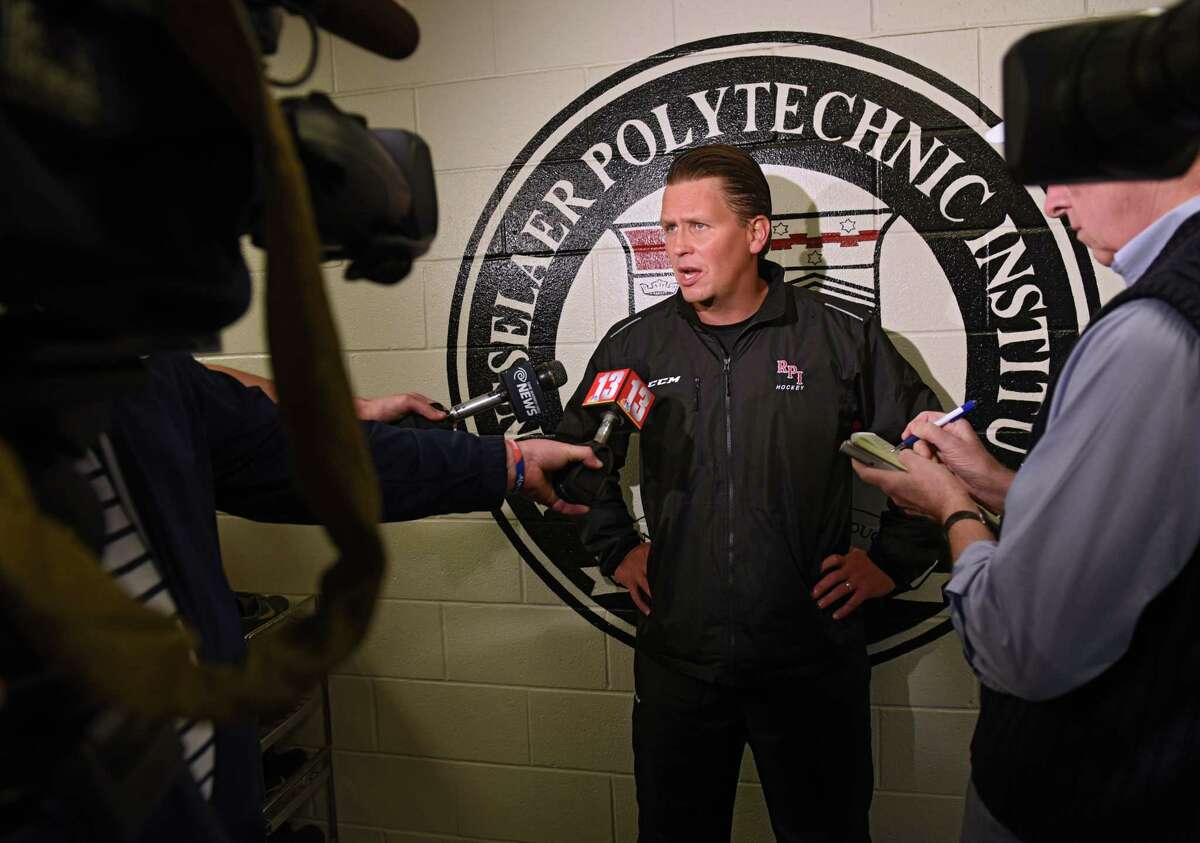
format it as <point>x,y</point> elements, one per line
<point>620,665</point>
<point>749,771</point>
<point>407,837</point>
<point>456,43</point>
<point>583,731</point>
<point>948,14</point>
<point>954,54</point>
<point>248,334</point>
<point>696,19</point>
<point>523,645</point>
<point>405,640</point>
<point>935,676</point>
<point>533,806</point>
<point>993,43</point>
<point>751,820</point>
<point>433,559</point>
<point>437,559</point>
<point>359,834</point>
<point>453,721</point>
<point>273,558</point>
<point>391,109</point>
<point>925,751</point>
<point>462,197</point>
<point>909,818</point>
<point>377,316</point>
<point>396,793</point>
<point>532,34</point>
<point>441,278</point>
<point>1116,7</point>
<point>624,794</point>
<point>535,589</point>
<point>376,373</point>
<point>484,123</point>
<point>352,710</point>
<point>290,59</point>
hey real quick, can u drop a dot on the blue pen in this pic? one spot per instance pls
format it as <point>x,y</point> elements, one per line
<point>955,414</point>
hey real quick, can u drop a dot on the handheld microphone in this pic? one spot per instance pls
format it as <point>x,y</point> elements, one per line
<point>618,396</point>
<point>521,385</point>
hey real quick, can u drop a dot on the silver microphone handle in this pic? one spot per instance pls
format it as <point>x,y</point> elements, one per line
<point>607,425</point>
<point>476,405</point>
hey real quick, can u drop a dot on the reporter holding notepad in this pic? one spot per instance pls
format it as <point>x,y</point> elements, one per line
<point>1082,619</point>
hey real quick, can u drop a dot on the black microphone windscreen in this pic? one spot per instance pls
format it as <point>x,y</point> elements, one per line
<point>552,374</point>
<point>376,25</point>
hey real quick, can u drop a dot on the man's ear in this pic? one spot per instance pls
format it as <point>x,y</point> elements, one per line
<point>759,234</point>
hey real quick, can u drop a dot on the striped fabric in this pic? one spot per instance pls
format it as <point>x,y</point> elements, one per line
<point>127,558</point>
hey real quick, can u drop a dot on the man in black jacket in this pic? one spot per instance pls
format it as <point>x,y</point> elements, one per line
<point>748,590</point>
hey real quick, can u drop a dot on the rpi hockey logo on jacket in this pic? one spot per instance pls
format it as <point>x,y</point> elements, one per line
<point>793,375</point>
<point>887,200</point>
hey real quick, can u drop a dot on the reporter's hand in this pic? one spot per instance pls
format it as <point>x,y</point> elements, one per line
<point>631,573</point>
<point>853,576</point>
<point>928,489</point>
<point>545,457</point>
<point>393,407</point>
<point>956,446</point>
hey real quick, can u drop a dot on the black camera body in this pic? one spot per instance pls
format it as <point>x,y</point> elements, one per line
<point>129,183</point>
<point>1115,98</point>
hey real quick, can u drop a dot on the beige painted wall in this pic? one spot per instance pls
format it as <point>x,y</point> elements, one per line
<point>481,708</point>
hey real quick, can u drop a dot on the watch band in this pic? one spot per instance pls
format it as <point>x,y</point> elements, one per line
<point>962,515</point>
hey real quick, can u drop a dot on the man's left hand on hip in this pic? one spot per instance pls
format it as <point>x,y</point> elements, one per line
<point>854,577</point>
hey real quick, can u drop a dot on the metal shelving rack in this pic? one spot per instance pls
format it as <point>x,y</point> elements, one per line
<point>283,801</point>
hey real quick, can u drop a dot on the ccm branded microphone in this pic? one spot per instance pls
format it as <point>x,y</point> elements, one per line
<point>616,397</point>
<point>521,386</point>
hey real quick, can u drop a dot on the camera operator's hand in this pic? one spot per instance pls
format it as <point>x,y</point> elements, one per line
<point>393,407</point>
<point>542,458</point>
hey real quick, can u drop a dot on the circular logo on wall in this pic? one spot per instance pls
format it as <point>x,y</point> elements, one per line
<point>888,200</point>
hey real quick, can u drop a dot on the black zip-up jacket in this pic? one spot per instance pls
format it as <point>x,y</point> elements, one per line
<point>744,490</point>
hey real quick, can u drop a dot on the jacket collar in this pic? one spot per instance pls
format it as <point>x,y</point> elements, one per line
<point>773,307</point>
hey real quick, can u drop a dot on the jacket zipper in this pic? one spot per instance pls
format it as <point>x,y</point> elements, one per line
<point>729,486</point>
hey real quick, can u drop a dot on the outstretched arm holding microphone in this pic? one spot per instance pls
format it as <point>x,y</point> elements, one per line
<point>530,465</point>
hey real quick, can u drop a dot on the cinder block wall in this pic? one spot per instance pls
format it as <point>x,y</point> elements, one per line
<point>481,708</point>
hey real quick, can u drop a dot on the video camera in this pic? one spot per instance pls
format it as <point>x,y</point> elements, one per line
<point>128,184</point>
<point>1117,98</point>
<point>138,145</point>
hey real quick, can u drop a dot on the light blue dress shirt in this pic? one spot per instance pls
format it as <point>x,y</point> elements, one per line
<point>1105,511</point>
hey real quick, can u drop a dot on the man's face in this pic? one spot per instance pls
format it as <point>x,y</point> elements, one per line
<point>709,248</point>
<point>1105,215</point>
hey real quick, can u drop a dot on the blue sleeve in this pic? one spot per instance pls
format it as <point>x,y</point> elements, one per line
<point>421,472</point>
<point>1102,516</point>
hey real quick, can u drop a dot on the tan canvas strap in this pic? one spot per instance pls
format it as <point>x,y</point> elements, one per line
<point>75,615</point>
